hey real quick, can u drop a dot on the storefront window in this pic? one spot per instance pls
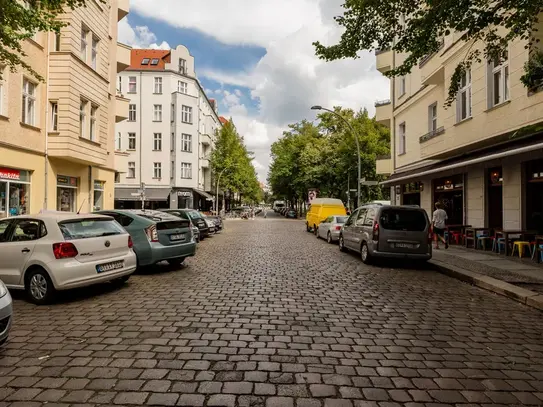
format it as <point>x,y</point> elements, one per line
<point>18,198</point>
<point>98,204</point>
<point>66,193</point>
<point>14,192</point>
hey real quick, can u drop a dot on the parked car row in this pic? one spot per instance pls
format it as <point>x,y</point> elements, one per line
<point>288,213</point>
<point>373,230</point>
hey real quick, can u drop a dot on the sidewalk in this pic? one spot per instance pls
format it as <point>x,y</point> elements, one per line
<point>520,279</point>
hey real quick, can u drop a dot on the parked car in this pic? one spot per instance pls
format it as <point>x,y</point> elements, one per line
<point>291,214</point>
<point>322,208</point>
<point>387,231</point>
<point>57,251</point>
<point>194,216</point>
<point>330,228</point>
<point>6,313</point>
<point>157,236</point>
<point>217,222</point>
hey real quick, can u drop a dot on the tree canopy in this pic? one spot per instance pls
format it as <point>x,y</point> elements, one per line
<point>417,27</point>
<point>323,156</point>
<point>20,20</point>
<point>231,158</point>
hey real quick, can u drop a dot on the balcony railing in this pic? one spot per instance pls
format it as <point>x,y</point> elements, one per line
<point>430,135</point>
<point>427,57</point>
<point>383,102</point>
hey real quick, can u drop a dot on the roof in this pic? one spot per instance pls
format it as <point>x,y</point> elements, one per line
<point>223,120</point>
<point>138,55</point>
<point>327,201</point>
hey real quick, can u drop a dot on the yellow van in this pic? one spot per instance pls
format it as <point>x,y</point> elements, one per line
<point>322,208</point>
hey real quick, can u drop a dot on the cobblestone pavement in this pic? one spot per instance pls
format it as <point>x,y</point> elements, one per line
<point>266,315</point>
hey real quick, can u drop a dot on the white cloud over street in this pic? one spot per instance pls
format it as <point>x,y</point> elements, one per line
<point>289,78</point>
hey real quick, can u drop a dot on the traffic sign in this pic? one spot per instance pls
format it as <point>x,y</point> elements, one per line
<point>135,194</point>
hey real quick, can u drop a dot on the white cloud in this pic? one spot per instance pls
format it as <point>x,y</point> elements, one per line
<point>139,37</point>
<point>289,78</point>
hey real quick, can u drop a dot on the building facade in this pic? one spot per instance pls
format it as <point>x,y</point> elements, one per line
<point>167,140</point>
<point>482,157</point>
<point>57,136</point>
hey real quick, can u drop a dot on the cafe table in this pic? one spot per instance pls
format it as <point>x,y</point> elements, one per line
<point>508,232</point>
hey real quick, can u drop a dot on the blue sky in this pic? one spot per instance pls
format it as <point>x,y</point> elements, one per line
<point>256,59</point>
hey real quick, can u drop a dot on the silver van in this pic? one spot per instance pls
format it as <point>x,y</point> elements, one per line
<point>385,231</point>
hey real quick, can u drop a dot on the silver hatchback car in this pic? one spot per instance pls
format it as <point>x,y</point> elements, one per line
<point>396,232</point>
<point>6,311</point>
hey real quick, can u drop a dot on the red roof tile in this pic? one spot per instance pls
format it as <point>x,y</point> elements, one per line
<point>138,55</point>
<point>223,120</point>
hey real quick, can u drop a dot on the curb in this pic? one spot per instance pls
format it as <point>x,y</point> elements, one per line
<point>522,295</point>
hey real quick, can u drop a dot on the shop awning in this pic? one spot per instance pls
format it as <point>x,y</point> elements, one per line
<point>151,194</point>
<point>204,194</point>
<point>476,157</point>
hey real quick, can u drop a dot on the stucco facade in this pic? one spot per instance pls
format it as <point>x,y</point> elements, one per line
<point>57,136</point>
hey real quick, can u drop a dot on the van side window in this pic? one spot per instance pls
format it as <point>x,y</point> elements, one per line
<point>370,216</point>
<point>361,216</point>
<point>351,219</point>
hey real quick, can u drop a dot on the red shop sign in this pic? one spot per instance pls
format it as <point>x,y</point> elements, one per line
<point>8,173</point>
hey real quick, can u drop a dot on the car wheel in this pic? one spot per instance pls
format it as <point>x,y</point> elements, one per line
<point>342,244</point>
<point>317,233</point>
<point>307,228</point>
<point>176,262</point>
<point>315,230</point>
<point>329,238</point>
<point>365,254</point>
<point>39,287</point>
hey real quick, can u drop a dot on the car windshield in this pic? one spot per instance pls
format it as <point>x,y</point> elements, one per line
<point>402,219</point>
<point>341,219</point>
<point>89,228</point>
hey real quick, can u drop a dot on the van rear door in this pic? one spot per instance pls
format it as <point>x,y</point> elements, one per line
<point>403,230</point>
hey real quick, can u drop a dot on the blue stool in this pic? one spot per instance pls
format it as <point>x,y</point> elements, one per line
<point>497,244</point>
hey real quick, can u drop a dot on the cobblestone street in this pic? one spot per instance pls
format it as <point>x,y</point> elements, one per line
<point>266,315</point>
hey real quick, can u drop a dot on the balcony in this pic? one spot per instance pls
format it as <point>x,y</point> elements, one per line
<point>123,8</point>
<point>121,108</point>
<point>432,68</point>
<point>204,163</point>
<point>383,165</point>
<point>123,57</point>
<point>383,60</point>
<point>383,112</point>
<point>206,139</point>
<point>431,134</point>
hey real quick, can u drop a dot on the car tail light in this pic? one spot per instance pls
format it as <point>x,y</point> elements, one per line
<point>376,231</point>
<point>151,233</point>
<point>130,242</point>
<point>338,227</point>
<point>64,250</point>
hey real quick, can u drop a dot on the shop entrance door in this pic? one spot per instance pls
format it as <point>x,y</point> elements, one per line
<point>534,196</point>
<point>3,200</point>
<point>495,198</point>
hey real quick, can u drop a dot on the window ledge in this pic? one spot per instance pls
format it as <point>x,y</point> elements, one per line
<point>130,149</point>
<point>131,93</point>
<point>156,150</point>
<point>4,118</point>
<point>53,133</point>
<point>128,178</point>
<point>29,126</point>
<point>34,42</point>
<point>400,154</point>
<point>467,119</point>
<point>498,105</point>
<point>157,121</point>
<point>86,140</point>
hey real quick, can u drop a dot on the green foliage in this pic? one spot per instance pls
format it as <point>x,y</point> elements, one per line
<point>20,20</point>
<point>371,24</point>
<point>323,156</point>
<point>533,71</point>
<point>231,158</point>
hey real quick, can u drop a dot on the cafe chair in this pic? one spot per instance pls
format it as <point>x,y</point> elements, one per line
<point>497,244</point>
<point>520,245</point>
<point>534,251</point>
<point>455,236</point>
<point>482,238</point>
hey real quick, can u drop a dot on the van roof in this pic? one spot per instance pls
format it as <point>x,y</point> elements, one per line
<point>327,201</point>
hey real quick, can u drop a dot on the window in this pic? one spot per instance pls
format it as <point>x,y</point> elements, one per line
<point>120,84</point>
<point>186,170</point>
<point>118,141</point>
<point>57,42</point>
<point>182,66</point>
<point>432,117</point>
<point>27,230</point>
<point>132,81</point>
<point>145,61</point>
<point>186,143</point>
<point>463,100</point>
<point>131,170</point>
<point>94,110</point>
<point>401,134</point>
<point>132,113</point>
<point>54,116</point>
<point>154,61</point>
<point>172,142</point>
<point>84,35</point>
<point>94,52</point>
<point>131,141</point>
<point>402,219</point>
<point>29,102</point>
<point>370,216</point>
<point>157,113</point>
<point>83,118</point>
<point>186,114</point>
<point>182,87</point>
<point>172,170</point>
<point>157,170</point>
<point>157,141</point>
<point>402,85</point>
<point>499,82</point>
<point>173,113</point>
<point>158,85</point>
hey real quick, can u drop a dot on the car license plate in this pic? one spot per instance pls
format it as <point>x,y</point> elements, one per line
<point>177,237</point>
<point>404,245</point>
<point>102,268</point>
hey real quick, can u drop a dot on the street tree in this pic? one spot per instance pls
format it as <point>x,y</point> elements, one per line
<point>417,28</point>
<point>20,20</point>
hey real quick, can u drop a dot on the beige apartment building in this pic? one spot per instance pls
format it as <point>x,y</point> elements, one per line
<point>57,136</point>
<point>483,156</point>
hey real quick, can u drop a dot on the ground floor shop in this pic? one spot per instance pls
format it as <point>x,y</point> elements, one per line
<point>498,189</point>
<point>162,198</point>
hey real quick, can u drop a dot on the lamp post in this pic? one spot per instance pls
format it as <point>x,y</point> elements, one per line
<point>218,181</point>
<point>357,146</point>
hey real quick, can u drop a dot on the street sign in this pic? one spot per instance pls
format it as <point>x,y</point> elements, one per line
<point>369,183</point>
<point>135,194</point>
<point>353,190</point>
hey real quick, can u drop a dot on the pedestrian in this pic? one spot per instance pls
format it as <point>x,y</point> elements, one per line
<point>439,220</point>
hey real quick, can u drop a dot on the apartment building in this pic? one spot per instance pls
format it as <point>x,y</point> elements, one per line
<point>167,141</point>
<point>57,136</point>
<point>481,157</point>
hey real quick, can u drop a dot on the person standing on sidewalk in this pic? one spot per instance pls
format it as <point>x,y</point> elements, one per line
<point>439,220</point>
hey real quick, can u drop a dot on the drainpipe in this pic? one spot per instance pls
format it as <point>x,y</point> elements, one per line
<point>141,132</point>
<point>91,190</point>
<point>47,126</point>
